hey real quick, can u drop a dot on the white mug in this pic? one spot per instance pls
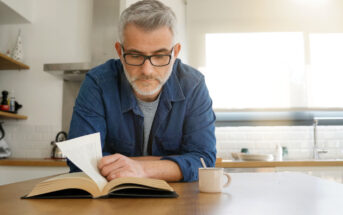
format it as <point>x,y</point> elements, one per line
<point>211,180</point>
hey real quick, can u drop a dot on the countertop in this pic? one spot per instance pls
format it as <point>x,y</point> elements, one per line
<point>219,163</point>
<point>285,163</point>
<point>33,162</point>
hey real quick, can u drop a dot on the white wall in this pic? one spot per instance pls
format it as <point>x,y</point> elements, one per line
<point>59,33</point>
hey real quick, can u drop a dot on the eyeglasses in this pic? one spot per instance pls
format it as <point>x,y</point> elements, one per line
<point>158,60</point>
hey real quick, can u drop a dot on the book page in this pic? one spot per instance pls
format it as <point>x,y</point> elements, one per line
<point>75,180</point>
<point>85,152</point>
<point>137,182</point>
<point>81,175</point>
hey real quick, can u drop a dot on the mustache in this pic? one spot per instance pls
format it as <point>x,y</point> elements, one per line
<point>147,77</point>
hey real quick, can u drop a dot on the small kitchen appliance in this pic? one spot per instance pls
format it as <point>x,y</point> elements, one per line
<point>56,153</point>
<point>4,149</point>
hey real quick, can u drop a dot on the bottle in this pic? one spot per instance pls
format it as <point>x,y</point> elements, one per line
<point>278,153</point>
<point>245,150</point>
<point>4,103</point>
<point>12,103</point>
<point>284,153</point>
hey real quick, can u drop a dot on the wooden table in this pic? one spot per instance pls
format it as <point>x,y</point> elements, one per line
<point>249,193</point>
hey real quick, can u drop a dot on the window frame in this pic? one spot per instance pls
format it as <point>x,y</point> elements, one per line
<point>279,117</point>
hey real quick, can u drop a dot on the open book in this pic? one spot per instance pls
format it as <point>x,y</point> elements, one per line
<point>79,185</point>
<point>85,152</point>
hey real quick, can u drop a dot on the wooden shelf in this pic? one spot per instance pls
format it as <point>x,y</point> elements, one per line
<point>7,63</point>
<point>12,115</point>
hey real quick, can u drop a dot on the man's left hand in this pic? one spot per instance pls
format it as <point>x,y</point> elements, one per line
<point>118,165</point>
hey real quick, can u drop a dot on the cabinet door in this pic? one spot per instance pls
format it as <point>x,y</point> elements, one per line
<point>12,174</point>
<point>329,173</point>
<point>257,169</point>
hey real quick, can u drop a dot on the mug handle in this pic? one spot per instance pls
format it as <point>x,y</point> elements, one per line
<point>228,179</point>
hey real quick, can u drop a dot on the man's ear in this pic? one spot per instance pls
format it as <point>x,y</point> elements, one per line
<point>117,45</point>
<point>177,49</point>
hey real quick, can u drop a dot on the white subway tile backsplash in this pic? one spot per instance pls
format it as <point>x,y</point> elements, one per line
<point>29,140</point>
<point>299,140</point>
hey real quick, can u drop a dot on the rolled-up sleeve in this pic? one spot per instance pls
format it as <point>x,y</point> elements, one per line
<point>198,135</point>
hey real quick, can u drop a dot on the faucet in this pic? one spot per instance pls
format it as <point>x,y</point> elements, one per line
<point>316,150</point>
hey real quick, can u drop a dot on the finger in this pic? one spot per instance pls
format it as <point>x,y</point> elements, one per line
<point>120,172</point>
<point>109,168</point>
<point>108,159</point>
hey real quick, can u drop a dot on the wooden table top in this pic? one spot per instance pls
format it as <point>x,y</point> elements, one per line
<point>249,193</point>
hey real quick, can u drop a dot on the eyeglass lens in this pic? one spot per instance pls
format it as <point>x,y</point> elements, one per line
<point>156,60</point>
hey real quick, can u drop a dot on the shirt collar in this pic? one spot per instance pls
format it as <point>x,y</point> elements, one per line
<point>171,90</point>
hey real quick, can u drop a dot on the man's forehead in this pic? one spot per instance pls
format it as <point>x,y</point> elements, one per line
<point>137,39</point>
<point>156,50</point>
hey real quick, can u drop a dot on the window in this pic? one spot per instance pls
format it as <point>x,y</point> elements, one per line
<point>326,76</point>
<point>255,70</point>
<point>269,70</point>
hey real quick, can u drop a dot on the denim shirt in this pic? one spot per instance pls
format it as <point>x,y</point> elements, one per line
<point>182,130</point>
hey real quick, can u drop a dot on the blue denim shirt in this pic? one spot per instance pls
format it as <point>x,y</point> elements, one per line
<point>182,130</point>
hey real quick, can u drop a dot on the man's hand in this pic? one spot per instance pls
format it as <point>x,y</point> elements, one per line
<point>117,166</point>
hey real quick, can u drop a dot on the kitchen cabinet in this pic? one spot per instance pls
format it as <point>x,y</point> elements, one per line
<point>326,169</point>
<point>332,173</point>
<point>19,169</point>
<point>12,174</point>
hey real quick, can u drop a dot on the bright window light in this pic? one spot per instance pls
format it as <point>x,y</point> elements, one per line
<point>326,70</point>
<point>254,70</point>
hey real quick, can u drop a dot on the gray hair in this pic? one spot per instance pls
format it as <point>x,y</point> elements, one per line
<point>148,15</point>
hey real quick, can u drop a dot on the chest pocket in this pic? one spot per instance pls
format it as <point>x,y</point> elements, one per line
<point>115,145</point>
<point>169,145</point>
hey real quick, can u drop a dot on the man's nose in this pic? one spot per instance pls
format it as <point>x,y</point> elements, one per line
<point>147,68</point>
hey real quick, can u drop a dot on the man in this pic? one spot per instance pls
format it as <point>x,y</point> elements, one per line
<point>153,112</point>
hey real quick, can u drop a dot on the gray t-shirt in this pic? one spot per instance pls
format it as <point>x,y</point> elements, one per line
<point>149,110</point>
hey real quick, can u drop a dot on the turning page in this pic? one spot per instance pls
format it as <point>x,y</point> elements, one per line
<point>85,152</point>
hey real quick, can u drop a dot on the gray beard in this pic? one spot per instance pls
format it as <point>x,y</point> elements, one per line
<point>147,93</point>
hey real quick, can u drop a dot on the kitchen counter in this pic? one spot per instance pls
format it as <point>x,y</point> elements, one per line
<point>219,163</point>
<point>286,163</point>
<point>33,162</point>
<point>39,162</point>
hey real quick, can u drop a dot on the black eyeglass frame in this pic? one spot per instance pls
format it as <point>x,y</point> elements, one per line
<point>147,57</point>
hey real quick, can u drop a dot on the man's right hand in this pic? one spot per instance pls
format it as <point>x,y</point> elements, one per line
<point>118,165</point>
